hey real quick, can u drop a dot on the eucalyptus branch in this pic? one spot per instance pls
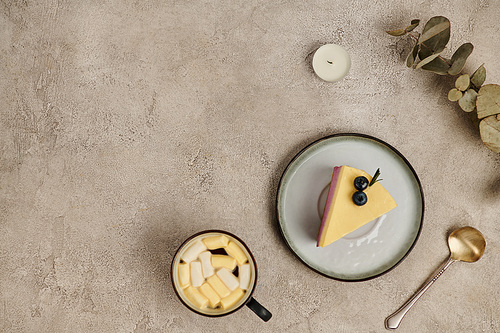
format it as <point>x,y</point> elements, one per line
<point>428,48</point>
<point>469,91</point>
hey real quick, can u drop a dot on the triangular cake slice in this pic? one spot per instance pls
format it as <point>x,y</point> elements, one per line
<point>341,215</point>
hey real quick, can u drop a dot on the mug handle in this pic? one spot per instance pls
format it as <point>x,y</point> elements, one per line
<point>259,309</point>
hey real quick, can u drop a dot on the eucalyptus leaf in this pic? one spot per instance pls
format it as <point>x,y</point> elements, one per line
<point>412,56</point>
<point>427,60</point>
<point>489,128</point>
<point>413,25</point>
<point>459,58</point>
<point>454,95</point>
<point>397,32</point>
<point>468,100</point>
<point>488,101</point>
<point>436,42</point>
<point>434,31</point>
<point>479,76</point>
<point>439,66</point>
<point>463,82</point>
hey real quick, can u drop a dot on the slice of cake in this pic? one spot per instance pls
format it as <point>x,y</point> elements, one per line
<point>342,215</point>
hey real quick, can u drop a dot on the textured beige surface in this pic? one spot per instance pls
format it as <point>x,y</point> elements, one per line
<point>126,126</point>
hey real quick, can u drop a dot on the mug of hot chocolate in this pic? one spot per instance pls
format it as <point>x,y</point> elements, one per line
<point>214,274</point>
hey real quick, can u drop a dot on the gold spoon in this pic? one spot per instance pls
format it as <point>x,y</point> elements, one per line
<point>466,244</point>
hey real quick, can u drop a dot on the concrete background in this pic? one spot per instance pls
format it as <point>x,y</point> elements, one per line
<point>127,126</point>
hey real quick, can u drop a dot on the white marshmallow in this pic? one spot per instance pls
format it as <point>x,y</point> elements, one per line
<point>193,251</point>
<point>197,278</point>
<point>244,275</point>
<point>228,278</point>
<point>184,275</point>
<point>206,264</point>
<point>216,242</point>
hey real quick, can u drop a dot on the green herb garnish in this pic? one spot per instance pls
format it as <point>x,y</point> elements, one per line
<point>375,178</point>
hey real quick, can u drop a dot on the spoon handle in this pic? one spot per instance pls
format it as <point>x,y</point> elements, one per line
<point>392,322</point>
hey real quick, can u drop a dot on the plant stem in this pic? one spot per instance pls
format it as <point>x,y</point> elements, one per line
<point>375,177</point>
<point>416,40</point>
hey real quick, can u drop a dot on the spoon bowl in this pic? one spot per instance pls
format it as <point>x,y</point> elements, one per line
<point>466,244</point>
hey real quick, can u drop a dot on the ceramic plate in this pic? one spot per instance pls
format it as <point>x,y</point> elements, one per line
<point>372,249</point>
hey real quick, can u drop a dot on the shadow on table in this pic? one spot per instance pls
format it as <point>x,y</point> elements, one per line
<point>164,234</point>
<point>492,191</point>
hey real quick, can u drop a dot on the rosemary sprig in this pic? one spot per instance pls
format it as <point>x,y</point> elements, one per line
<point>375,178</point>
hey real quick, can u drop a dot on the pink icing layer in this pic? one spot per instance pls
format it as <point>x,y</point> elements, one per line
<point>331,192</point>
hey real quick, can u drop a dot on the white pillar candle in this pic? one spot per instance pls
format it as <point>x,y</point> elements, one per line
<point>331,62</point>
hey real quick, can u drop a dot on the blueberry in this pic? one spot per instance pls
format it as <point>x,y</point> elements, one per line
<point>359,198</point>
<point>360,183</point>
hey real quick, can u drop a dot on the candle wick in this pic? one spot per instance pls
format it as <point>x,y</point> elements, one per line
<point>330,62</point>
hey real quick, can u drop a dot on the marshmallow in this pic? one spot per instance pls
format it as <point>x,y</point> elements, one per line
<point>244,275</point>
<point>219,260</point>
<point>220,288</point>
<point>206,264</point>
<point>196,297</point>
<point>229,301</point>
<point>216,242</point>
<point>193,251</point>
<point>228,278</point>
<point>236,252</point>
<point>197,278</point>
<point>210,293</point>
<point>183,275</point>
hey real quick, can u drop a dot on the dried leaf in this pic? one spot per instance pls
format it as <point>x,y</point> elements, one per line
<point>438,66</point>
<point>459,58</point>
<point>479,76</point>
<point>397,32</point>
<point>468,100</point>
<point>488,101</point>
<point>437,42</point>
<point>412,56</point>
<point>454,95</point>
<point>434,31</point>
<point>413,25</point>
<point>489,128</point>
<point>427,60</point>
<point>463,82</point>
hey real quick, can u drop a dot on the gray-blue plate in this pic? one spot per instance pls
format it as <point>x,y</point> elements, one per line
<point>376,247</point>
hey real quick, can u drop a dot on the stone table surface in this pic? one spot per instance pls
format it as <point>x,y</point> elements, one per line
<point>127,126</point>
